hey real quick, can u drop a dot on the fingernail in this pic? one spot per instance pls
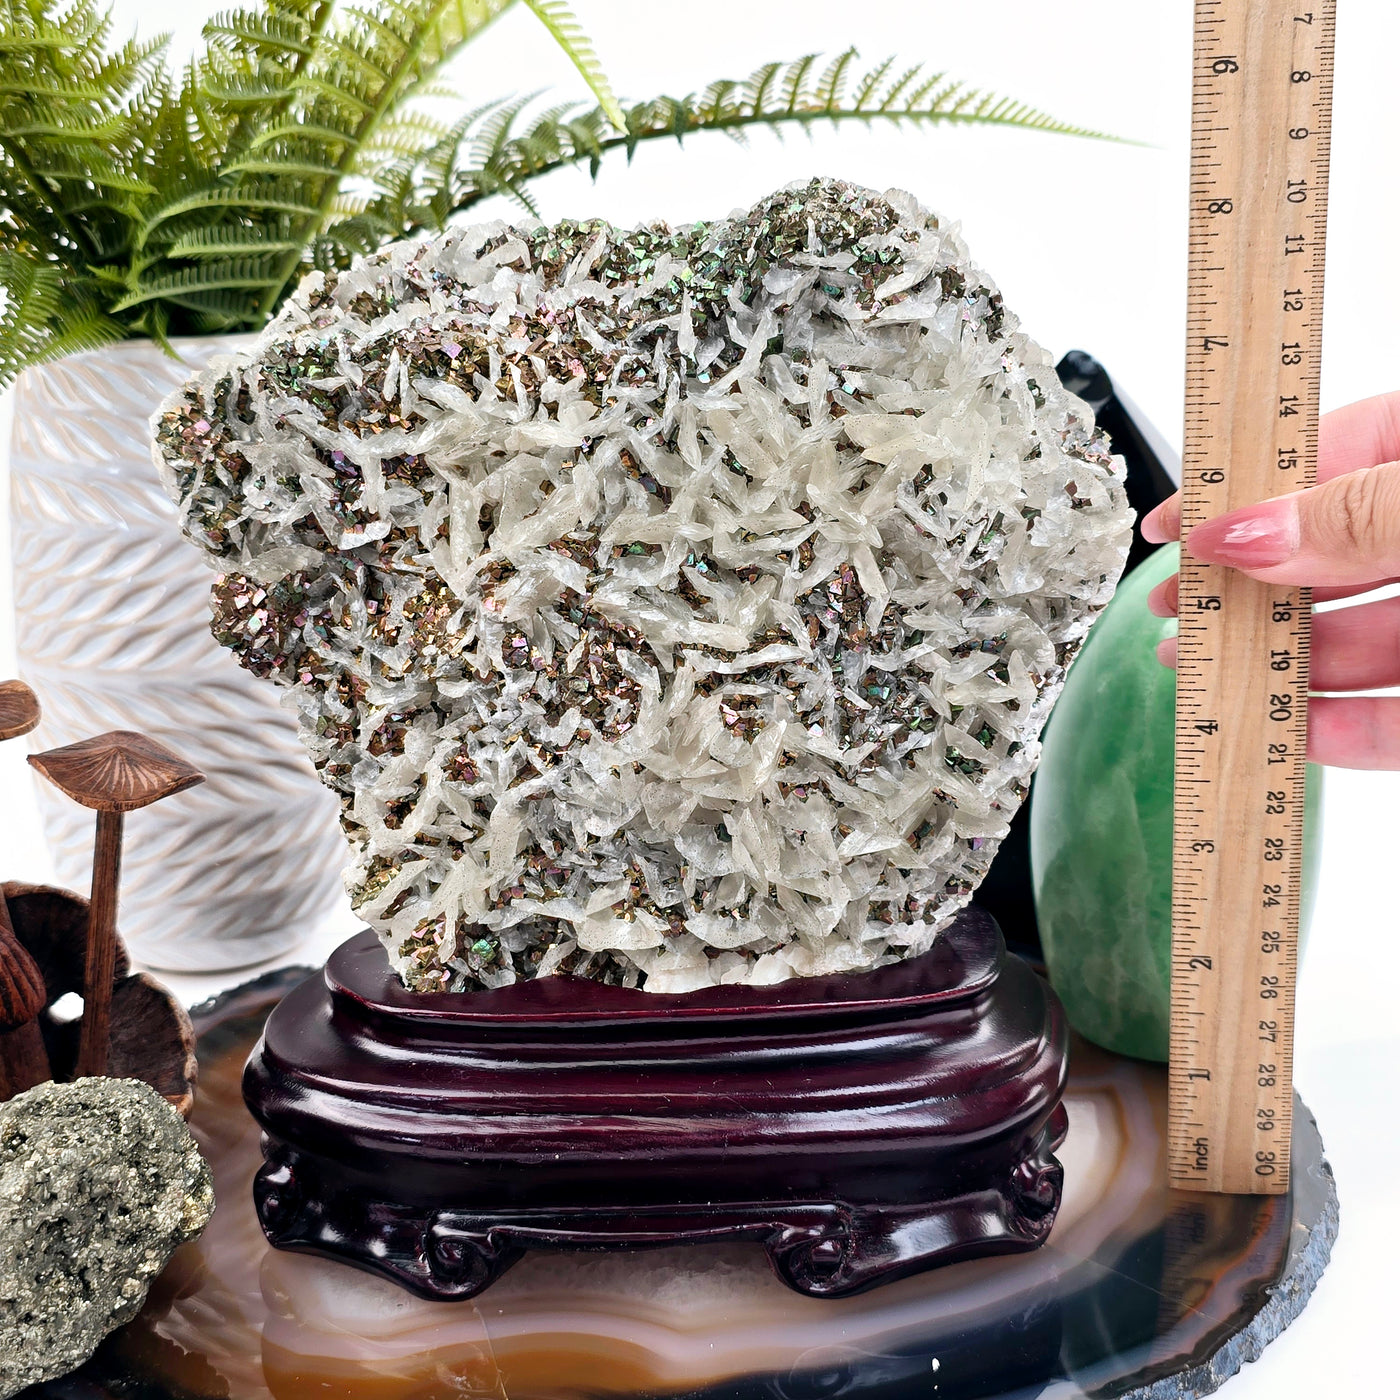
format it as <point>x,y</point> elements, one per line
<point>1166,652</point>
<point>1256,537</point>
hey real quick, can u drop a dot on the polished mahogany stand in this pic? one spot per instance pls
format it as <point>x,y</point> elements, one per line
<point>861,1127</point>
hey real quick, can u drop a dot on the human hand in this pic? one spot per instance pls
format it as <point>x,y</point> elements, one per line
<point>1341,537</point>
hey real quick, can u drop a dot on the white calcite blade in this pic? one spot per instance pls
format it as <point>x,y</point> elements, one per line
<point>669,607</point>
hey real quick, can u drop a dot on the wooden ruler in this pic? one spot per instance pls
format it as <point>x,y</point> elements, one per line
<point>1261,115</point>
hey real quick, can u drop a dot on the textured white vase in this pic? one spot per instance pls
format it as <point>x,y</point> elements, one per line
<point>112,628</point>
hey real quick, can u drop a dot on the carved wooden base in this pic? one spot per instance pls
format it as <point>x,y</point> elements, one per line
<point>862,1127</point>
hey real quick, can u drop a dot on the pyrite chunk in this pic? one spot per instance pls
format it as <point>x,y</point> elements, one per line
<point>100,1181</point>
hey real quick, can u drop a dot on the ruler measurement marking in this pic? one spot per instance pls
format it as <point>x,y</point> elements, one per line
<point>1260,140</point>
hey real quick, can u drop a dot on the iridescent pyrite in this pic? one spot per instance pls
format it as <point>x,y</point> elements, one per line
<point>668,607</point>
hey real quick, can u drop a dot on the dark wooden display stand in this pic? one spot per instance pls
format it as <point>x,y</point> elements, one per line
<point>862,1127</point>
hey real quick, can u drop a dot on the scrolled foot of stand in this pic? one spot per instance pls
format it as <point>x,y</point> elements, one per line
<point>859,1128</point>
<point>462,1260</point>
<point>277,1198</point>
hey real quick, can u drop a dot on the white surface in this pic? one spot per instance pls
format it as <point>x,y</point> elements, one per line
<point>1088,243</point>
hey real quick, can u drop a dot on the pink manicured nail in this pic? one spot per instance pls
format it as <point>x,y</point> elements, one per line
<point>1256,537</point>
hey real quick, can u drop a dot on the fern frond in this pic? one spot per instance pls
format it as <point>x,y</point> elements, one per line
<point>358,79</point>
<point>285,166</point>
<point>495,132</point>
<point>243,274</point>
<point>280,198</point>
<point>139,201</point>
<point>299,130</point>
<point>269,35</point>
<point>45,316</point>
<point>774,95</point>
<point>566,32</point>
<point>246,89</point>
<point>234,241</point>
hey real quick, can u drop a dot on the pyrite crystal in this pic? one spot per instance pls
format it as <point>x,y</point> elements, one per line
<point>100,1182</point>
<point>668,607</point>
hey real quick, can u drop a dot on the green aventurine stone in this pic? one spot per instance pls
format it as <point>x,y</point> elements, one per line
<point>1101,827</point>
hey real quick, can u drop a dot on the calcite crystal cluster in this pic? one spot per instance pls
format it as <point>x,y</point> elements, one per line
<point>668,607</point>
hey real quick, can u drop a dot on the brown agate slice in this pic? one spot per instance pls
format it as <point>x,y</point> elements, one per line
<point>1136,1284</point>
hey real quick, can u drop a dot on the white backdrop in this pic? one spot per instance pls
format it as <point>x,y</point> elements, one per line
<point>1088,242</point>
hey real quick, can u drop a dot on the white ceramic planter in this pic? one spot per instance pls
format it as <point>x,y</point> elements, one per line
<point>112,628</point>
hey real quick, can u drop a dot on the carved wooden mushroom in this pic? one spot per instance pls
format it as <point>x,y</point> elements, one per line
<point>19,709</point>
<point>152,1038</point>
<point>111,774</point>
<point>23,1060</point>
<point>19,713</point>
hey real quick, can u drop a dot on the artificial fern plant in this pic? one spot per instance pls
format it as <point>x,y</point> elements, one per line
<point>138,202</point>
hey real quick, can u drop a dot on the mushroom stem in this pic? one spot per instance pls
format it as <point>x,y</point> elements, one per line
<point>24,1062</point>
<point>100,968</point>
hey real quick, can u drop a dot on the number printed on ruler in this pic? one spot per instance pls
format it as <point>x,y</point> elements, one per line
<point>1261,120</point>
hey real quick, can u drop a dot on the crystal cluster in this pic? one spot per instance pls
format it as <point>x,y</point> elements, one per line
<point>667,607</point>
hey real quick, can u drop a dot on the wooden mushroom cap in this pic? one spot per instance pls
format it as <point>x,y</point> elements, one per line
<point>22,992</point>
<point>117,772</point>
<point>19,709</point>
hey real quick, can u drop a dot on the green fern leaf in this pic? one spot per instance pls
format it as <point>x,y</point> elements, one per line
<point>243,274</point>
<point>286,167</point>
<point>775,95</point>
<point>45,317</point>
<point>232,242</point>
<point>268,34</point>
<point>283,198</point>
<point>326,135</point>
<point>138,201</point>
<point>564,28</point>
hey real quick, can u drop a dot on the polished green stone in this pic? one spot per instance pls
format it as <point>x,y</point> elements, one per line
<point>1101,827</point>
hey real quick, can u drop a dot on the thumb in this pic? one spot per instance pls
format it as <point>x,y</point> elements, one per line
<point>1346,531</point>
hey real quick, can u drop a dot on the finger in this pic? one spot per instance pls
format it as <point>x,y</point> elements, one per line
<point>1352,649</point>
<point>1355,731</point>
<point>1162,601</point>
<point>1356,648</point>
<point>1165,601</point>
<point>1331,593</point>
<point>1163,523</point>
<point>1361,731</point>
<point>1363,434</point>
<point>1346,531</point>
